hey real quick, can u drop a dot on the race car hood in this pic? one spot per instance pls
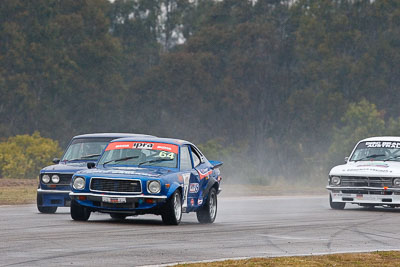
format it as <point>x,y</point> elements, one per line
<point>368,168</point>
<point>70,167</point>
<point>126,172</point>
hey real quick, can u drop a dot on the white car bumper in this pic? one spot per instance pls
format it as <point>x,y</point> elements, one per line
<point>376,199</point>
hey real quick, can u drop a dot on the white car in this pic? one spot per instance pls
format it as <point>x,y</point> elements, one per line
<point>370,177</point>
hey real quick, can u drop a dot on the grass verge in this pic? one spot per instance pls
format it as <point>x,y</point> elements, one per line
<point>17,191</point>
<point>373,259</point>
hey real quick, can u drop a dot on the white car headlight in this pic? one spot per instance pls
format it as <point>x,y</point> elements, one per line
<point>45,179</point>
<point>396,182</point>
<point>335,180</point>
<point>79,183</point>
<point>154,187</point>
<point>55,179</point>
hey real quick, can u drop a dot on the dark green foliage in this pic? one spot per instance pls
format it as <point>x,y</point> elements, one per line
<point>278,79</point>
<point>59,66</point>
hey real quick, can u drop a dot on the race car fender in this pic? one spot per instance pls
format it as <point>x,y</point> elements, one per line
<point>173,187</point>
<point>211,183</point>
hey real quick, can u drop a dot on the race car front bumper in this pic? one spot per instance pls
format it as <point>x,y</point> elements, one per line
<point>94,196</point>
<point>53,198</point>
<point>365,195</point>
<point>134,204</point>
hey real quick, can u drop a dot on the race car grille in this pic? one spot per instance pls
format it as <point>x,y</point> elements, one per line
<point>353,181</point>
<point>65,178</point>
<point>115,185</point>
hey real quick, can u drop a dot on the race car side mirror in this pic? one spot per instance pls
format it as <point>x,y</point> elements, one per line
<point>346,159</point>
<point>91,165</point>
<point>56,160</point>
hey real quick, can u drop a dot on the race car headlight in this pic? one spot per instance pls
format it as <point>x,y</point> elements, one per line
<point>45,179</point>
<point>153,187</point>
<point>79,183</point>
<point>55,179</point>
<point>335,180</point>
<point>396,182</point>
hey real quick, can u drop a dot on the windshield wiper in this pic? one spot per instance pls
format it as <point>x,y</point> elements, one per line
<point>371,156</point>
<point>90,156</point>
<point>85,157</point>
<point>74,159</point>
<point>154,160</point>
<point>121,159</point>
<point>390,158</point>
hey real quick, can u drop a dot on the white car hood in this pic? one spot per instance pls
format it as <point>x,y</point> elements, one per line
<point>368,168</point>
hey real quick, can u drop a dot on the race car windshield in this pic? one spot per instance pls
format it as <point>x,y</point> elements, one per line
<point>140,154</point>
<point>377,151</point>
<point>85,149</point>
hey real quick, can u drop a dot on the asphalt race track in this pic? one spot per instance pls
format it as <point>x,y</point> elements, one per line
<point>245,227</point>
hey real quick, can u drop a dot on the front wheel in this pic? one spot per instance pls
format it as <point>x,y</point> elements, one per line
<point>172,213</point>
<point>39,203</point>
<point>48,210</point>
<point>208,212</point>
<point>79,213</point>
<point>336,205</point>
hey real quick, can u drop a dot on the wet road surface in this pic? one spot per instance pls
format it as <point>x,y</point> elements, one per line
<point>245,227</point>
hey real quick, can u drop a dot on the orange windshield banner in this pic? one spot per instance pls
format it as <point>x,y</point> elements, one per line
<point>143,145</point>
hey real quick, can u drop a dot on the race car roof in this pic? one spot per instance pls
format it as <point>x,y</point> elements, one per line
<point>382,138</point>
<point>173,141</point>
<point>111,135</point>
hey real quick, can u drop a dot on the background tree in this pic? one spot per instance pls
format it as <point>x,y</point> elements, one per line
<point>275,78</point>
<point>361,120</point>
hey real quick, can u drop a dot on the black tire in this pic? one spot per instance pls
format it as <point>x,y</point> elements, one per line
<point>208,212</point>
<point>48,210</point>
<point>79,213</point>
<point>42,209</point>
<point>118,216</point>
<point>336,205</point>
<point>172,213</point>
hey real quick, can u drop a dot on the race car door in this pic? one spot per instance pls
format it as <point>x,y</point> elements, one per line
<point>191,179</point>
<point>202,174</point>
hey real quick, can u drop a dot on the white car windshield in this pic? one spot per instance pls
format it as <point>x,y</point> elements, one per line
<point>140,154</point>
<point>85,149</point>
<point>377,150</point>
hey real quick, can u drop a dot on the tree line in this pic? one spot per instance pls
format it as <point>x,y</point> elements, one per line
<point>283,89</point>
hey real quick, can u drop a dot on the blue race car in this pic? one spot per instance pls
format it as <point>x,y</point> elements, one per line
<point>148,176</point>
<point>54,181</point>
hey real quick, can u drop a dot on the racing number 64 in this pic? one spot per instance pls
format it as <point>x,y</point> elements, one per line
<point>164,154</point>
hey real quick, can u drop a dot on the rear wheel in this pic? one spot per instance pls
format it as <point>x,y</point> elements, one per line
<point>39,203</point>
<point>79,213</point>
<point>336,205</point>
<point>172,213</point>
<point>208,212</point>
